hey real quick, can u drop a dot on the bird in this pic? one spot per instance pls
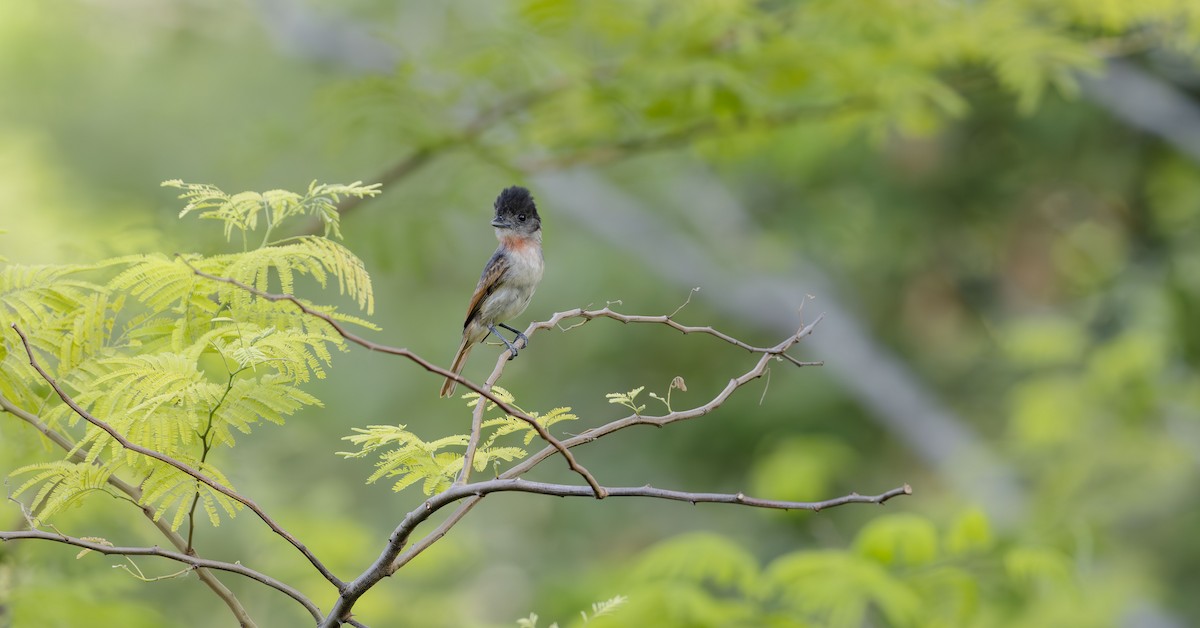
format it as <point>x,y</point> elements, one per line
<point>508,280</point>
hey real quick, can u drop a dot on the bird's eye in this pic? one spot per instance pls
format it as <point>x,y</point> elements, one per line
<point>521,217</point>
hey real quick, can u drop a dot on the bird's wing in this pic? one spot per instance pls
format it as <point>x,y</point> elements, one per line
<point>493,274</point>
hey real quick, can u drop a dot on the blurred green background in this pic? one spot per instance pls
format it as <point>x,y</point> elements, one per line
<point>995,205</point>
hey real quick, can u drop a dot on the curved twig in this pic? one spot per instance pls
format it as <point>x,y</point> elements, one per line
<point>194,561</point>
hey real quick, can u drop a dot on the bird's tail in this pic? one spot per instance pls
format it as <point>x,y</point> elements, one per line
<point>460,359</point>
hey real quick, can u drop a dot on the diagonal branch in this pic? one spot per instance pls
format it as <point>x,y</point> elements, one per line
<point>555,444</point>
<point>185,468</point>
<point>659,421</point>
<point>187,559</point>
<point>596,433</point>
<point>391,559</point>
<point>476,430</point>
<point>606,312</point>
<point>476,491</point>
<point>135,494</point>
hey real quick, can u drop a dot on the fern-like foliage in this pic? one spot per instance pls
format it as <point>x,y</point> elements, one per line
<point>435,464</point>
<point>61,484</point>
<point>170,489</point>
<point>57,306</point>
<point>242,212</point>
<point>174,361</point>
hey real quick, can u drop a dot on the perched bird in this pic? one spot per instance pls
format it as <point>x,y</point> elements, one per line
<point>508,280</point>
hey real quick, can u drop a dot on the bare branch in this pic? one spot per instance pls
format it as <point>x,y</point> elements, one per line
<point>194,561</point>
<point>476,491</point>
<point>476,428</point>
<point>555,321</point>
<point>185,468</point>
<point>569,490</point>
<point>764,299</point>
<point>574,465</point>
<point>594,434</point>
<point>391,559</point>
<point>588,315</point>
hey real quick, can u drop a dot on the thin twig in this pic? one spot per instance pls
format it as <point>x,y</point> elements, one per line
<point>186,559</point>
<point>477,423</point>
<point>606,312</point>
<point>555,321</point>
<point>185,468</point>
<point>205,450</point>
<point>574,465</point>
<point>591,435</point>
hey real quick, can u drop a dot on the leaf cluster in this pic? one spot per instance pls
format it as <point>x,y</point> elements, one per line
<point>578,88</point>
<point>173,361</point>
<point>410,459</point>
<point>900,570</point>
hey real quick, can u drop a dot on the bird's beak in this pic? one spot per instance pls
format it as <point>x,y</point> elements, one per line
<point>500,223</point>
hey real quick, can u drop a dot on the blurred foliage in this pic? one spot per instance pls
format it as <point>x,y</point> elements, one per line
<point>1034,261</point>
<point>900,571</point>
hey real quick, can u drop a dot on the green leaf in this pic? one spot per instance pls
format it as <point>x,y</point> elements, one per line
<point>837,588</point>
<point>903,539</point>
<point>969,533</point>
<point>1038,565</point>
<point>800,469</point>
<point>701,558</point>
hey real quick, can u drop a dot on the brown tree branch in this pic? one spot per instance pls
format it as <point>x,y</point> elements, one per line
<point>395,556</point>
<point>476,429</point>
<point>673,417</point>
<point>383,565</point>
<point>596,433</point>
<point>391,558</point>
<point>574,465</point>
<point>187,559</point>
<point>606,312</point>
<point>589,315</point>
<point>135,495</point>
<point>185,468</point>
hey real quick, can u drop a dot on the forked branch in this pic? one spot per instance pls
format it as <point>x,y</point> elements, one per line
<point>193,561</point>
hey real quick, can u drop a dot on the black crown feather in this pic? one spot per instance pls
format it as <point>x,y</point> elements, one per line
<point>516,200</point>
